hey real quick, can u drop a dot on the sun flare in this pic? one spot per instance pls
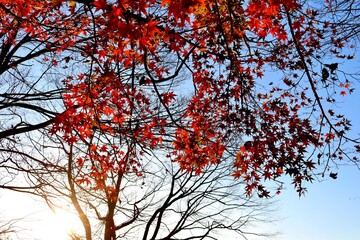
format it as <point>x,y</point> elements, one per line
<point>59,225</point>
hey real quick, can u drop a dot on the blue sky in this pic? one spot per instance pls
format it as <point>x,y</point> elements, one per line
<point>329,211</point>
<point>331,208</point>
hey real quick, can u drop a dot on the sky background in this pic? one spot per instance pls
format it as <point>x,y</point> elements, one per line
<point>331,208</point>
<point>329,211</point>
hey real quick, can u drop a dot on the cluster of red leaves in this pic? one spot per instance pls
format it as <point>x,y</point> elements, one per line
<point>268,20</point>
<point>105,106</point>
<point>267,134</point>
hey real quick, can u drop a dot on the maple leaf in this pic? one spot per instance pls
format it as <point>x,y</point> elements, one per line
<point>324,74</point>
<point>332,67</point>
<point>102,54</point>
<point>357,147</point>
<point>100,4</point>
<point>236,174</point>
<point>333,175</point>
<point>168,97</point>
<point>329,136</point>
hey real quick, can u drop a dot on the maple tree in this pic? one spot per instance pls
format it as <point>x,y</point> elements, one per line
<point>122,80</point>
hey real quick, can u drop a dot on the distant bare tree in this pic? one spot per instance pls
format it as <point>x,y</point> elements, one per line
<point>9,228</point>
<point>164,203</point>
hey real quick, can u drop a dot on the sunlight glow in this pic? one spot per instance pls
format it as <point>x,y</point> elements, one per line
<point>59,225</point>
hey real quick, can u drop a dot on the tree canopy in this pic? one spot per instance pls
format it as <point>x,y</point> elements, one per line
<point>197,82</point>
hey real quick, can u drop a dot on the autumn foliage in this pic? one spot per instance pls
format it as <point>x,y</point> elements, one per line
<point>198,79</point>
